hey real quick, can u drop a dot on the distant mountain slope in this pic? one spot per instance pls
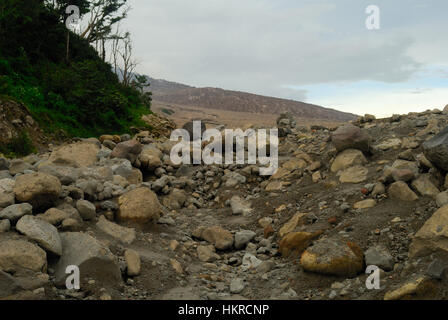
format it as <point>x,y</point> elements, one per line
<point>220,99</point>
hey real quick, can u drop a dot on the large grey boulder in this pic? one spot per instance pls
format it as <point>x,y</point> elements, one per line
<point>16,211</point>
<point>94,260</point>
<point>45,234</point>
<point>436,149</point>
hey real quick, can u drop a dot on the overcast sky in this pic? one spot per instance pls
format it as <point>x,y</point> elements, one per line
<point>317,51</point>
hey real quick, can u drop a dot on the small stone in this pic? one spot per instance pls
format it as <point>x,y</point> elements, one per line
<point>86,209</point>
<point>133,262</point>
<point>365,204</point>
<point>5,225</point>
<point>242,238</point>
<point>379,256</point>
<point>237,285</point>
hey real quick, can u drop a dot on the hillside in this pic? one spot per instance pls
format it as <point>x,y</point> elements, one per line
<point>214,98</point>
<point>70,91</point>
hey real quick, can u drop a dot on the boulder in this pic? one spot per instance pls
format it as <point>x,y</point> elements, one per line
<point>19,166</point>
<point>80,154</point>
<point>240,206</point>
<point>54,216</point>
<point>332,257</point>
<point>354,174</point>
<point>129,150</point>
<point>432,237</point>
<point>219,237</point>
<point>348,158</point>
<point>424,186</point>
<point>207,253</point>
<point>7,199</point>
<point>45,234</point>
<point>16,211</point>
<point>400,191</point>
<point>67,175</point>
<point>442,199</point>
<point>41,190</point>
<point>175,200</point>
<point>436,149</point>
<point>94,260</point>
<point>243,237</point>
<point>7,185</point>
<point>139,205</point>
<point>393,143</point>
<point>350,137</point>
<point>86,209</point>
<point>20,255</point>
<point>5,225</point>
<point>150,158</point>
<point>413,289</point>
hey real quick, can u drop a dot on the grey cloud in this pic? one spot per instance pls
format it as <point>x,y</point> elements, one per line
<point>262,46</point>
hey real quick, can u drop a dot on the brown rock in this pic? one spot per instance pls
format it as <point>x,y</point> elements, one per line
<point>331,257</point>
<point>348,158</point>
<point>133,262</point>
<point>139,205</point>
<point>354,174</point>
<point>350,137</point>
<point>80,154</point>
<point>424,186</point>
<point>38,189</point>
<point>127,150</point>
<point>401,191</point>
<point>219,237</point>
<point>288,227</point>
<point>294,243</point>
<point>433,236</point>
<point>18,255</point>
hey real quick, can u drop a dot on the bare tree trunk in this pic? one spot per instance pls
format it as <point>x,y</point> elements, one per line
<point>68,46</point>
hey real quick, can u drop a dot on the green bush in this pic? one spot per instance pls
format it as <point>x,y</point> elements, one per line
<point>19,146</point>
<point>81,97</point>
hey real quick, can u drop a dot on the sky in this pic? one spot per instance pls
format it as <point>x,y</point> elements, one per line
<point>316,51</point>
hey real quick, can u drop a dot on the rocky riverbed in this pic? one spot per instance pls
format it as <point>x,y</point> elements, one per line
<point>372,192</point>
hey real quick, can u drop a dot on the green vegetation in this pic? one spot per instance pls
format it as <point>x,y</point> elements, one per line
<point>19,146</point>
<point>80,96</point>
